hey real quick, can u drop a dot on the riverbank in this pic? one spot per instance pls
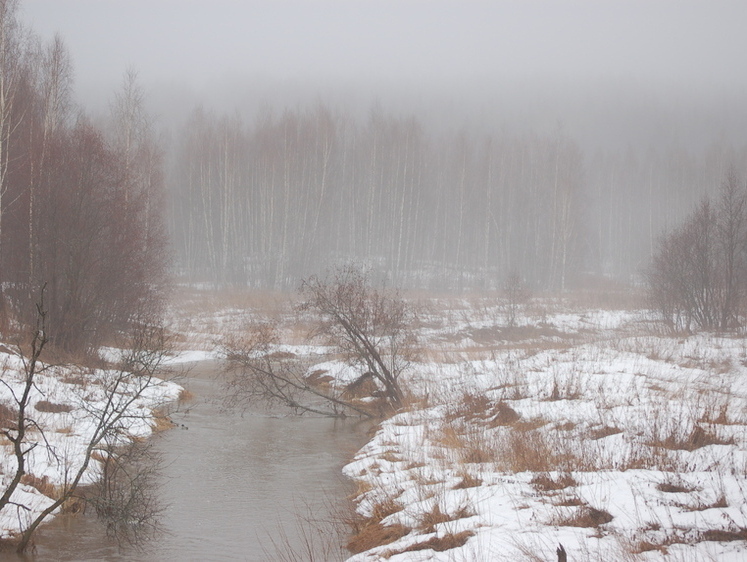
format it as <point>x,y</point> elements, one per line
<point>66,404</point>
<point>579,426</point>
<point>584,428</point>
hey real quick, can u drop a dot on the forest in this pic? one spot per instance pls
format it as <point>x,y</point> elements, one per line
<point>81,204</point>
<point>266,203</point>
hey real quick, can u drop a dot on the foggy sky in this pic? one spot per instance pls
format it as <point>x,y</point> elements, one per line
<point>222,51</point>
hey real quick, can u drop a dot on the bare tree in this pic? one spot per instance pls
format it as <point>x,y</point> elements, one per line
<point>125,496</point>
<point>111,405</point>
<point>515,294</point>
<point>257,372</point>
<point>16,432</point>
<point>698,272</point>
<point>371,327</point>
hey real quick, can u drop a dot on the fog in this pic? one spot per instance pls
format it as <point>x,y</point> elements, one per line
<point>543,60</point>
<point>544,137</point>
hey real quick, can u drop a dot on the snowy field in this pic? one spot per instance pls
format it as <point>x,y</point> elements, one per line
<point>587,429</point>
<point>64,403</point>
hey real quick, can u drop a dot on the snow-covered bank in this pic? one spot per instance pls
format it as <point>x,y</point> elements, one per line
<point>581,429</point>
<point>64,404</point>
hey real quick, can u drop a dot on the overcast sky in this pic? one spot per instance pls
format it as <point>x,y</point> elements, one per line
<point>205,48</point>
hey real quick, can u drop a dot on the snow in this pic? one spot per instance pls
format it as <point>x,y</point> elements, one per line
<point>609,412</point>
<point>60,450</point>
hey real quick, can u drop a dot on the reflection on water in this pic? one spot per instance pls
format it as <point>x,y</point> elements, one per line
<point>232,484</point>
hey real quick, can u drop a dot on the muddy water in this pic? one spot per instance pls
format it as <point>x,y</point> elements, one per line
<point>234,485</point>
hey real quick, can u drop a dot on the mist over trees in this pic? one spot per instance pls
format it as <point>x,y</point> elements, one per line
<point>80,208</point>
<point>268,202</point>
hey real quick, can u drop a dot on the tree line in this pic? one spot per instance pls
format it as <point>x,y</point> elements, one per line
<point>80,205</point>
<point>268,202</point>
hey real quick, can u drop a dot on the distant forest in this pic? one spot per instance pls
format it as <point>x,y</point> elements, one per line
<point>268,202</point>
<point>101,209</point>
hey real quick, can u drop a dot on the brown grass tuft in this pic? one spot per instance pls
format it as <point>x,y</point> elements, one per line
<point>375,534</point>
<point>504,415</point>
<point>161,422</point>
<point>546,483</point>
<point>721,535</point>
<point>435,516</point>
<point>53,408</point>
<point>468,481</point>
<point>604,431</point>
<point>673,488</point>
<point>696,439</point>
<point>42,484</point>
<point>185,396</point>
<point>586,517</point>
<point>439,544</point>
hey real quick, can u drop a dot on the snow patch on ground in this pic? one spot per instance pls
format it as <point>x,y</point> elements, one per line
<point>615,442</point>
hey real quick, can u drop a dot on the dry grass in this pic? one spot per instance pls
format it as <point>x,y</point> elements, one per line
<point>429,520</point>
<point>185,396</point>
<point>42,484</point>
<point>53,408</point>
<point>674,487</point>
<point>586,517</point>
<point>8,416</point>
<point>373,534</point>
<point>439,543</point>
<point>695,439</point>
<point>537,451</point>
<point>467,444</point>
<point>369,532</point>
<point>468,481</point>
<point>720,535</point>
<point>161,422</point>
<point>604,431</point>
<point>544,482</point>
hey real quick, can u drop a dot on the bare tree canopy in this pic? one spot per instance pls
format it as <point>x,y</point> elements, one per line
<point>698,275</point>
<point>370,328</point>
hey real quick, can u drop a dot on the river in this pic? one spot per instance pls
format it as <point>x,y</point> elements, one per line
<point>236,486</point>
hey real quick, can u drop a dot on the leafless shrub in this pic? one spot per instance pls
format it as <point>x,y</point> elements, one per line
<point>515,294</point>
<point>255,372</point>
<point>697,276</point>
<point>125,496</point>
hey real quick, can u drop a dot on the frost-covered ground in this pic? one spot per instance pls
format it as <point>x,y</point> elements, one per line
<point>61,403</point>
<point>584,429</point>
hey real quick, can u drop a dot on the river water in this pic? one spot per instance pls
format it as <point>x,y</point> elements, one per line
<point>236,487</point>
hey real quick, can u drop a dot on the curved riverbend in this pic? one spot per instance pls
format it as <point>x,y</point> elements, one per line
<point>233,484</point>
